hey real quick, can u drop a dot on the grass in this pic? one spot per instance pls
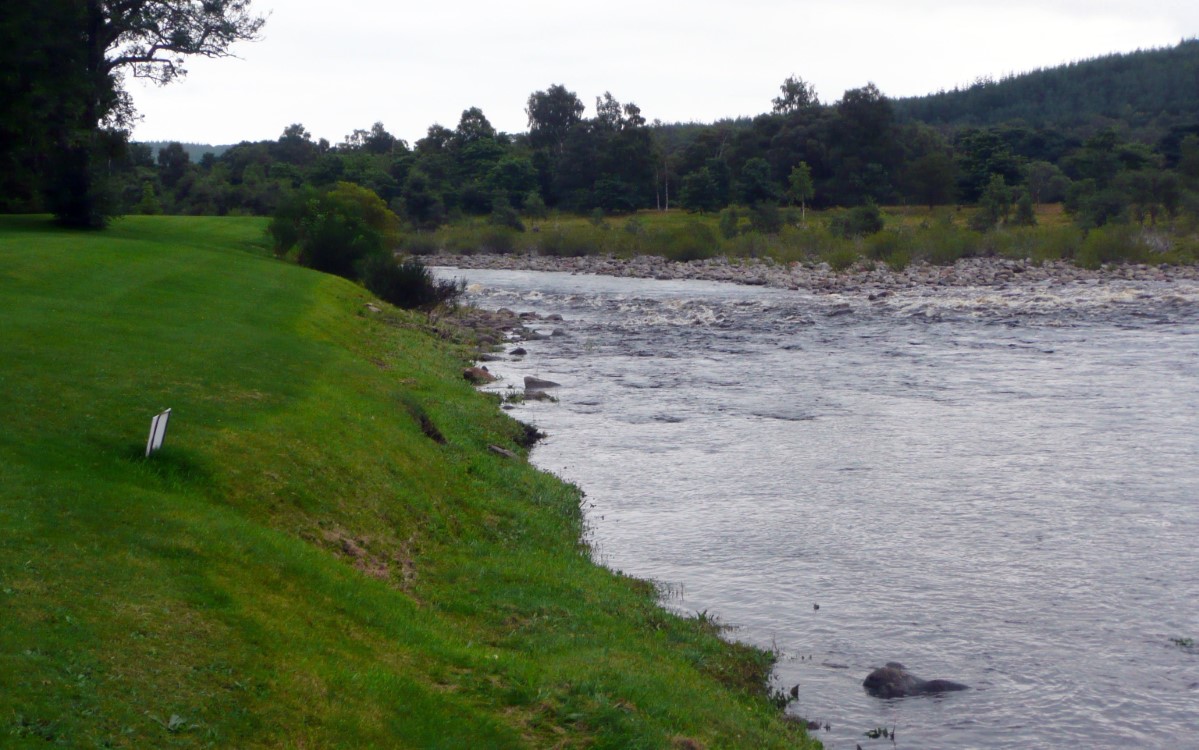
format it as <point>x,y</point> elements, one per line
<point>939,236</point>
<point>301,566</point>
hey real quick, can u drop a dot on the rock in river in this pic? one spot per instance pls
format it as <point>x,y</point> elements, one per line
<point>537,384</point>
<point>894,681</point>
<point>478,375</point>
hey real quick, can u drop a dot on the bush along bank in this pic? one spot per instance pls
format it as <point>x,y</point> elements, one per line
<point>864,236</point>
<point>325,553</point>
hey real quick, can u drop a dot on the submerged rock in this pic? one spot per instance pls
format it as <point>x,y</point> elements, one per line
<point>894,681</point>
<point>537,384</point>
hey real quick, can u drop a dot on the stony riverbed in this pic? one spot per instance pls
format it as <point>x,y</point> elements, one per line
<point>998,273</point>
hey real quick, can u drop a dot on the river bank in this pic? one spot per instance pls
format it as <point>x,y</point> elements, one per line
<point>993,273</point>
<point>340,544</point>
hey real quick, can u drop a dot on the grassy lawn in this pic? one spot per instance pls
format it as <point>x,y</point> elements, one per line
<point>301,566</point>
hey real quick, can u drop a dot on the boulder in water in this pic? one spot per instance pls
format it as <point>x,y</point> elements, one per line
<point>894,681</point>
<point>478,375</point>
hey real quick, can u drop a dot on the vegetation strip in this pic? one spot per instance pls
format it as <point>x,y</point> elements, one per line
<point>304,563</point>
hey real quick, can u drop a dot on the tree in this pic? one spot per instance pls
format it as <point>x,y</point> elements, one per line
<point>147,38</point>
<point>554,117</point>
<point>797,95</point>
<point>41,86</point>
<point>514,177</point>
<point>608,112</point>
<point>1151,193</point>
<point>995,205</point>
<point>699,191</point>
<point>375,141</point>
<point>755,184</point>
<point>473,126</point>
<point>552,113</point>
<point>423,206</point>
<point>173,162</point>
<point>931,178</point>
<point>295,146</point>
<point>1188,160</point>
<point>1026,216</point>
<point>982,154</point>
<point>800,187</point>
<point>865,153</point>
<point>1046,183</point>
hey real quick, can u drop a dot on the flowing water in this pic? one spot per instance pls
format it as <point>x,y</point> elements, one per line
<point>995,487</point>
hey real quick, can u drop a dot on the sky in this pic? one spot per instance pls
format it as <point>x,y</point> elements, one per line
<point>337,67</point>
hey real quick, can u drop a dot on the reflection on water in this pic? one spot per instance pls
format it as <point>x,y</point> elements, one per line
<point>997,488</point>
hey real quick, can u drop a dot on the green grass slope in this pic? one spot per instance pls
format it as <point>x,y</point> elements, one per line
<point>302,566</point>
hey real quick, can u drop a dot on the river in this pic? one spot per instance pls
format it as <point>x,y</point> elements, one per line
<point>994,486</point>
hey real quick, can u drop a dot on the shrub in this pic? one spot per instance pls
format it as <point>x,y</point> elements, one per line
<point>336,230</point>
<point>880,245</point>
<point>504,215</point>
<point>497,241</point>
<point>1115,243</point>
<point>730,223</point>
<point>284,228</point>
<point>691,241</point>
<point>945,244</point>
<point>336,243</point>
<point>1057,243</point>
<point>1026,215</point>
<point>408,283</point>
<point>766,218</point>
<point>534,206</point>
<point>564,243</point>
<point>840,257</point>
<point>419,244</point>
<point>994,206</point>
<point>859,221</point>
<point>810,242</point>
<point>748,245</point>
<point>898,259</point>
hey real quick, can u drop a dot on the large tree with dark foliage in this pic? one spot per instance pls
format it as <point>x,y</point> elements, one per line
<point>80,101</point>
<point>40,85</point>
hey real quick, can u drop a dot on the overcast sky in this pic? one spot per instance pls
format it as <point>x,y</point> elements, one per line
<point>339,66</point>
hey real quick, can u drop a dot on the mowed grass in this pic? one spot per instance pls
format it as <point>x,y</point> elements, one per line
<point>301,566</point>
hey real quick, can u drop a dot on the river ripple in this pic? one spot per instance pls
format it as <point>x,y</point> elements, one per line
<point>995,487</point>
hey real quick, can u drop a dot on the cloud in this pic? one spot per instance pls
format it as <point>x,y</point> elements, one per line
<point>340,67</point>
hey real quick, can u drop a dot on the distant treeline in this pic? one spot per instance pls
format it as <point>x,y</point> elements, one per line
<point>1113,138</point>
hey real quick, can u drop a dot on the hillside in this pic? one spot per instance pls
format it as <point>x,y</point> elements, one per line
<point>303,565</point>
<point>1148,91</point>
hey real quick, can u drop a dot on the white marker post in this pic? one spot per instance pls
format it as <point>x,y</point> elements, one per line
<point>158,431</point>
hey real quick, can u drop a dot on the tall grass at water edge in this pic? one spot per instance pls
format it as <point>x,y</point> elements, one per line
<point>939,237</point>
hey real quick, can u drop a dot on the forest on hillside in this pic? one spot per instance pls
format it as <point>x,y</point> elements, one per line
<point>1148,93</point>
